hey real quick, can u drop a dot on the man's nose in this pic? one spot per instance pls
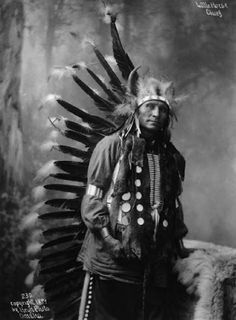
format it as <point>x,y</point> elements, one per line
<point>155,111</point>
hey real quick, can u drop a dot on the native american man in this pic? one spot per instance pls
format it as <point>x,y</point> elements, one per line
<point>133,212</point>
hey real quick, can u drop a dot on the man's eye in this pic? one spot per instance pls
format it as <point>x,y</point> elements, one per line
<point>163,109</point>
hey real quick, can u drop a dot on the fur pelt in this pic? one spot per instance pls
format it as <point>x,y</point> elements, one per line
<point>133,148</point>
<point>152,86</point>
<point>203,273</point>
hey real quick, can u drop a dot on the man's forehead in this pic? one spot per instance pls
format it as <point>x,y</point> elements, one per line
<point>157,103</point>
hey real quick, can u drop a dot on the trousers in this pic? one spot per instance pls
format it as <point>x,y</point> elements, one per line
<point>114,300</point>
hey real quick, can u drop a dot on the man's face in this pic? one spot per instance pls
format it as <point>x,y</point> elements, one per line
<point>153,115</point>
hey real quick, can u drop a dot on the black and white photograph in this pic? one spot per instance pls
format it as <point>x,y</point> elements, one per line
<point>118,159</point>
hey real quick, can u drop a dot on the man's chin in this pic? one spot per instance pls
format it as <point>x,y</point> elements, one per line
<point>154,128</point>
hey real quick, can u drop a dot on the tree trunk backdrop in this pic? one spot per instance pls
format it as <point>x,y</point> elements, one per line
<point>13,263</point>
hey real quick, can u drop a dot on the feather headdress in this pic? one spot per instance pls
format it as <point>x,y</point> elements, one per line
<point>144,89</point>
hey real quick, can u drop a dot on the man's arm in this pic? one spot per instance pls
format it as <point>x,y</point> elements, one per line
<point>102,163</point>
<point>94,210</point>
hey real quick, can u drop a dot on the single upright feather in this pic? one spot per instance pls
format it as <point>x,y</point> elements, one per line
<point>122,58</point>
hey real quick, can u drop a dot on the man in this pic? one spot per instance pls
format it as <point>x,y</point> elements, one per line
<point>133,213</point>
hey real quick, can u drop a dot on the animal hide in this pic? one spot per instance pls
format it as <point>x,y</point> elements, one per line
<point>203,274</point>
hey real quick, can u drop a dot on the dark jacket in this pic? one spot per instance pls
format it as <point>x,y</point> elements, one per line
<point>97,215</point>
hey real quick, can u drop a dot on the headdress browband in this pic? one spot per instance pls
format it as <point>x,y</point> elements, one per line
<point>153,97</point>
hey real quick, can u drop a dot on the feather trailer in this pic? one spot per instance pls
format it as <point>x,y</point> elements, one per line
<point>94,121</point>
<point>60,267</point>
<point>38,292</point>
<point>107,9</point>
<point>72,228</point>
<point>48,146</point>
<point>81,154</point>
<point>65,295</point>
<point>36,236</point>
<point>88,141</point>
<point>80,177</point>
<point>34,249</point>
<point>58,215</point>
<point>29,221</point>
<point>70,309</point>
<point>71,166</point>
<point>110,94</point>
<point>71,196</point>
<point>37,206</point>
<point>61,72</point>
<point>61,240</point>
<point>68,313</point>
<point>59,123</point>
<point>38,193</point>
<point>66,308</point>
<point>77,230</point>
<point>65,188</point>
<point>64,203</point>
<point>33,264</point>
<point>63,228</point>
<point>111,60</point>
<point>122,58</point>
<point>54,134</point>
<point>49,122</point>
<point>58,281</point>
<point>50,100</point>
<point>46,170</point>
<point>114,80</point>
<point>29,280</point>
<point>101,103</point>
<point>71,291</point>
<point>62,123</point>
<point>62,255</point>
<point>81,128</point>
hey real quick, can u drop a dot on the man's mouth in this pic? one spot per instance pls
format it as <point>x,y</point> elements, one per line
<point>156,122</point>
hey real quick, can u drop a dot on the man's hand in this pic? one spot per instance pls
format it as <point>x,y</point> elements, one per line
<point>114,247</point>
<point>182,251</point>
<point>185,252</point>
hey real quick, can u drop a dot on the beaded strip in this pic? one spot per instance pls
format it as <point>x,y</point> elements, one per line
<point>89,298</point>
<point>155,181</point>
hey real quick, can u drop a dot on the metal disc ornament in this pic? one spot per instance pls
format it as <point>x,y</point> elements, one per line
<point>165,223</point>
<point>139,207</point>
<point>138,183</point>
<point>126,196</point>
<point>138,195</point>
<point>126,207</point>
<point>140,221</point>
<point>138,169</point>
